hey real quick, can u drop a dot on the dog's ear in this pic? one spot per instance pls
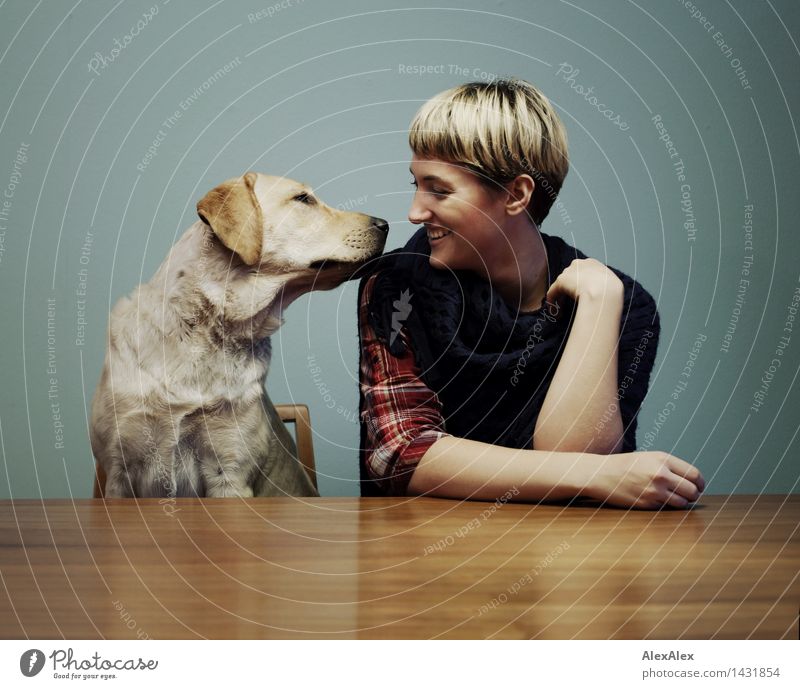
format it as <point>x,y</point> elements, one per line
<point>233,213</point>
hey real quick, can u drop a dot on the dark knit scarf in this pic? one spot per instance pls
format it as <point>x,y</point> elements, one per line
<point>490,364</point>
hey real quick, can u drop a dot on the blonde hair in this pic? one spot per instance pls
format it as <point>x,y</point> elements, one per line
<point>499,129</point>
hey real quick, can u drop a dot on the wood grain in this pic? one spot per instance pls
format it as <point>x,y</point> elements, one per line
<point>398,568</point>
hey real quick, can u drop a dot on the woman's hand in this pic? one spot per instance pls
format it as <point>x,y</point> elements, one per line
<point>585,277</point>
<point>645,480</point>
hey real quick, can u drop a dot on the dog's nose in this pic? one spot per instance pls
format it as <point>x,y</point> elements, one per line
<point>380,224</point>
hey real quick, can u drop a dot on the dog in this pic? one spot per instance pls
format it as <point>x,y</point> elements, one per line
<point>181,408</point>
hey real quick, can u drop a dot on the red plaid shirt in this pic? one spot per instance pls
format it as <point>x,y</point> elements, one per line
<point>403,416</point>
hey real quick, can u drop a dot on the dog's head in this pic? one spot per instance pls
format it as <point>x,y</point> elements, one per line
<point>278,225</point>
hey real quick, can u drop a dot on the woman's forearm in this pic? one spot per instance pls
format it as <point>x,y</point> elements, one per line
<point>580,412</point>
<point>459,468</point>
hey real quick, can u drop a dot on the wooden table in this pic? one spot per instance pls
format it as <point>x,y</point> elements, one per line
<point>397,568</point>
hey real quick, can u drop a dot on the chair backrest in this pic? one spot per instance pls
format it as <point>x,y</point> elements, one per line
<point>99,481</point>
<point>288,413</point>
<point>298,414</point>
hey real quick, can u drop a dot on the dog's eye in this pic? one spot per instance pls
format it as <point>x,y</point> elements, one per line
<point>305,198</point>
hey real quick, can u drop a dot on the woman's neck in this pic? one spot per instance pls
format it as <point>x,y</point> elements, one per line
<point>520,272</point>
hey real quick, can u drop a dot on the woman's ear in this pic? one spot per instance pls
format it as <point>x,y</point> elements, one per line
<point>520,191</point>
<point>233,213</point>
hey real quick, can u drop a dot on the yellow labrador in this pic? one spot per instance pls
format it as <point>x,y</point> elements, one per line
<point>181,408</point>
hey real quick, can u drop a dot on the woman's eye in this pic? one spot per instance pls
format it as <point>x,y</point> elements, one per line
<point>305,198</point>
<point>434,190</point>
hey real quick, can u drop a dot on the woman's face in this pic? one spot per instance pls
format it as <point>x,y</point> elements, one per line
<point>463,218</point>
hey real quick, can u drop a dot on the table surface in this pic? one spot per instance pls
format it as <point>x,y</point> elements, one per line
<point>398,568</point>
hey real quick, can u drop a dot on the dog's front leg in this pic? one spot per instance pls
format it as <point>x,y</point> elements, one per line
<point>118,484</point>
<point>224,463</point>
<point>229,443</point>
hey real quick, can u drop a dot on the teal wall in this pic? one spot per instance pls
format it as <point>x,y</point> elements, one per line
<point>324,92</point>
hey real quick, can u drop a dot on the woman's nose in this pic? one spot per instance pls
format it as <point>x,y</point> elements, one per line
<point>419,212</point>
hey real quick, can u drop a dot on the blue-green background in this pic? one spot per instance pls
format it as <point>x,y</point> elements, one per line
<point>318,91</point>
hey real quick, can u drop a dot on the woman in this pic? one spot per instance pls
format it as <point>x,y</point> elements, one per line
<point>496,359</point>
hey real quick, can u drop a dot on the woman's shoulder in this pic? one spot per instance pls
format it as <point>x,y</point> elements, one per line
<point>635,292</point>
<point>365,288</point>
<point>393,268</point>
<point>634,289</point>
<point>639,305</point>
<point>639,310</point>
<point>367,284</point>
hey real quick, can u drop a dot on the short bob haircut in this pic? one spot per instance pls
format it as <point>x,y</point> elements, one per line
<point>498,129</point>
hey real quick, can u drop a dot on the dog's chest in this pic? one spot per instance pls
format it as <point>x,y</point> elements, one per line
<point>210,373</point>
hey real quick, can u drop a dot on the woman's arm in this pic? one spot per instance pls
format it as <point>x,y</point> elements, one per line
<point>584,388</point>
<point>400,416</point>
<point>580,412</point>
<point>460,468</point>
<point>466,469</point>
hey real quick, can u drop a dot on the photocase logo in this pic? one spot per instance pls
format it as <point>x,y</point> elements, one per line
<point>31,662</point>
<point>402,310</point>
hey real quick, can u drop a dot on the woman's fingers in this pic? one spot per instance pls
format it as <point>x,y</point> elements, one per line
<point>675,500</point>
<point>650,480</point>
<point>685,488</point>
<point>687,471</point>
<point>554,291</point>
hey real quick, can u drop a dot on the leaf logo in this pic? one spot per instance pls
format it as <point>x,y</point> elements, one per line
<point>402,310</point>
<point>31,662</point>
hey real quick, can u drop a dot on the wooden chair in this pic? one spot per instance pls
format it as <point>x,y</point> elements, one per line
<point>299,416</point>
<point>288,413</point>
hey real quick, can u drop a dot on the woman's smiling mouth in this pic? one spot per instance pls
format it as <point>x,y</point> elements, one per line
<point>436,235</point>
